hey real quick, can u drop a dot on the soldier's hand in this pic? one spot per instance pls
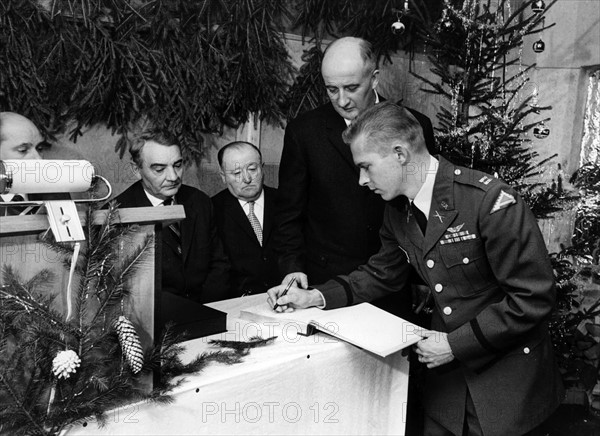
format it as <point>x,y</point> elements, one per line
<point>301,279</point>
<point>434,349</point>
<point>295,298</point>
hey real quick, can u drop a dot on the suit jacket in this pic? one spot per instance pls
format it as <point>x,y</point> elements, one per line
<point>201,272</point>
<point>327,223</point>
<point>486,264</point>
<point>253,267</point>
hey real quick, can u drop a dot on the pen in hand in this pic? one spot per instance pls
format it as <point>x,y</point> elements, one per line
<point>285,291</point>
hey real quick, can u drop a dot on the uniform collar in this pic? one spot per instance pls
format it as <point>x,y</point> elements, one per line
<point>423,198</point>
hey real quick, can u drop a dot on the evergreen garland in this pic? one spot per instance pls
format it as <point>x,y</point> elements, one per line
<point>56,372</point>
<point>187,67</point>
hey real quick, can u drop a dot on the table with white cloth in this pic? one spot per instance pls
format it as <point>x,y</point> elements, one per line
<point>297,385</point>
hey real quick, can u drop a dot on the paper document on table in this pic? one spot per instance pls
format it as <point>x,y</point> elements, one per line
<point>363,325</point>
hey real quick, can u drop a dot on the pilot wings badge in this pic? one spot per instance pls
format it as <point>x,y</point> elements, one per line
<point>455,229</point>
<point>456,234</point>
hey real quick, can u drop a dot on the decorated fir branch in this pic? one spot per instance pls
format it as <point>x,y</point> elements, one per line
<point>491,111</point>
<point>55,371</point>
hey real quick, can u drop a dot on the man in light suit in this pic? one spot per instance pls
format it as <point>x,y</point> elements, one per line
<point>473,240</point>
<point>246,233</point>
<point>328,224</point>
<point>194,264</point>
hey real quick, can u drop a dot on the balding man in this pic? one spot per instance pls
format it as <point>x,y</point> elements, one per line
<point>328,224</point>
<point>21,139</point>
<point>244,215</point>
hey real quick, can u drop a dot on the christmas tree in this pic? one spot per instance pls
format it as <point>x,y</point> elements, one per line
<point>476,49</point>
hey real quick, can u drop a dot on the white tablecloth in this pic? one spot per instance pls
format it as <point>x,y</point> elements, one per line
<point>298,385</point>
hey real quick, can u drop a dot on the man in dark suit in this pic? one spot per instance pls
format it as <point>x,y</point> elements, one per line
<point>21,139</point>
<point>244,214</point>
<point>474,241</point>
<point>327,223</point>
<point>194,264</point>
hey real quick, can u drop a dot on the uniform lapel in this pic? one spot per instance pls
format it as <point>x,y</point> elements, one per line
<point>442,212</point>
<point>412,228</point>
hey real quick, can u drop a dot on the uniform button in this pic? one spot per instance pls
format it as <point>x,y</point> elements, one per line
<point>430,263</point>
<point>438,287</point>
<point>466,260</point>
<point>447,310</point>
<point>526,350</point>
<point>457,172</point>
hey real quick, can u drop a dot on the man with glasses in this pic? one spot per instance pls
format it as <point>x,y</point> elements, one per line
<point>244,215</point>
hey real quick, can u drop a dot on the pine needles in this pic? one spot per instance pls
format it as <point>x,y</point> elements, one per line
<point>33,399</point>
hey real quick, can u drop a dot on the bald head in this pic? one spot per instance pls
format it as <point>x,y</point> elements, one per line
<point>19,137</point>
<point>349,70</point>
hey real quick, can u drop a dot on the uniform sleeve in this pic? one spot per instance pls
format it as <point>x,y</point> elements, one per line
<point>386,271</point>
<point>519,261</point>
<point>291,203</point>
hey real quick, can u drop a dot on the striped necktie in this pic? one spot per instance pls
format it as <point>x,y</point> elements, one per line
<point>255,223</point>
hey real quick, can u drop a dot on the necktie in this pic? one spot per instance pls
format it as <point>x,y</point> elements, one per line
<point>16,210</point>
<point>174,229</point>
<point>420,217</point>
<point>255,223</point>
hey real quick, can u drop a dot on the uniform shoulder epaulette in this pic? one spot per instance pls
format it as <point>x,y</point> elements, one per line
<point>478,179</point>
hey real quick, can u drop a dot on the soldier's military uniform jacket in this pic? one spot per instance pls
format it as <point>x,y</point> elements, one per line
<point>487,266</point>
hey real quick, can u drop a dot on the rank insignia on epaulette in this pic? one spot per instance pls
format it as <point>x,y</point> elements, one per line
<point>456,234</point>
<point>485,180</point>
<point>504,200</point>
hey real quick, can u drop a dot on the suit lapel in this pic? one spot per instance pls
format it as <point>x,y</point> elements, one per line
<point>267,216</point>
<point>442,213</point>
<point>335,125</point>
<point>187,226</point>
<point>235,209</point>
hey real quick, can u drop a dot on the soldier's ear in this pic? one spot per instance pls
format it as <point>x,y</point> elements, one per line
<point>401,153</point>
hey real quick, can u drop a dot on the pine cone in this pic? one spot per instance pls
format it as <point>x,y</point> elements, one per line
<point>65,363</point>
<point>130,344</point>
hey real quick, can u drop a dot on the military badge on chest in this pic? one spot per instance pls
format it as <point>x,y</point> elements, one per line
<point>457,234</point>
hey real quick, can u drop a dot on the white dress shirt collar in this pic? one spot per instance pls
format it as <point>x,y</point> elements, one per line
<point>259,207</point>
<point>423,198</point>
<point>154,200</point>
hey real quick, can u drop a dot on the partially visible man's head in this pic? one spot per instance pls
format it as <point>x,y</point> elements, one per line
<point>242,170</point>
<point>157,161</point>
<point>349,70</point>
<point>19,137</point>
<point>388,147</point>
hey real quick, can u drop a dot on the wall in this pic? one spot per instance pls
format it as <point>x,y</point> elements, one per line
<point>561,72</point>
